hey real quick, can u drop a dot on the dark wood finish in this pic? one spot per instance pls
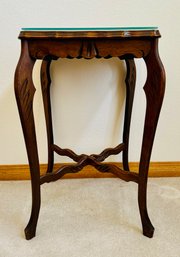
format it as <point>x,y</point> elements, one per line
<point>94,160</point>
<point>88,34</point>
<point>98,157</point>
<point>125,45</point>
<point>154,89</point>
<point>88,160</point>
<point>24,90</point>
<point>88,48</point>
<point>45,86</point>
<point>130,87</point>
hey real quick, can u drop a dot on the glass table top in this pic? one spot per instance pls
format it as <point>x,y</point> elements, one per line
<point>89,32</point>
<point>93,29</point>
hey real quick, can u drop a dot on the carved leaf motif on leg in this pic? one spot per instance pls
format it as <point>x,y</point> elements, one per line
<point>26,96</point>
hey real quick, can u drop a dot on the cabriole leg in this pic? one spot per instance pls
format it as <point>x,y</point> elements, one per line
<point>24,91</point>
<point>154,89</point>
<point>130,87</point>
<point>45,85</point>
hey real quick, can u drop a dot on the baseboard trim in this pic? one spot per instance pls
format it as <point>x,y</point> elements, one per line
<point>157,169</point>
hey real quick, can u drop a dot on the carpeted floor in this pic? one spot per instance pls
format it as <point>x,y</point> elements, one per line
<point>90,218</point>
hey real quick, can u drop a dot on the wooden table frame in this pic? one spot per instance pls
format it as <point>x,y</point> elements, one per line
<point>126,45</point>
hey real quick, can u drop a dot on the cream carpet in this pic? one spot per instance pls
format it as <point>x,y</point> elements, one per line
<point>90,218</point>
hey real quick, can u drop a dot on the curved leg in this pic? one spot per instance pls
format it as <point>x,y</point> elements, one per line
<point>45,85</point>
<point>154,89</point>
<point>130,87</point>
<point>24,90</point>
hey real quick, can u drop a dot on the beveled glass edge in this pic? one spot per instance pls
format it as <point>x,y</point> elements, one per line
<point>92,29</point>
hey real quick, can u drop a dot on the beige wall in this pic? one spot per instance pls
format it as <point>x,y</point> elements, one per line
<point>87,98</point>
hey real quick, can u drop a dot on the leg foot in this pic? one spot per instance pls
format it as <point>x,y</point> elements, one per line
<point>30,232</point>
<point>148,230</point>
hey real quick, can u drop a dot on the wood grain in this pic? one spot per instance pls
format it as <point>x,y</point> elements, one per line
<point>89,44</point>
<point>88,34</point>
<point>157,169</point>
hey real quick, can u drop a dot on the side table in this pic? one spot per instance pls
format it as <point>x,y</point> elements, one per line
<point>126,44</point>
